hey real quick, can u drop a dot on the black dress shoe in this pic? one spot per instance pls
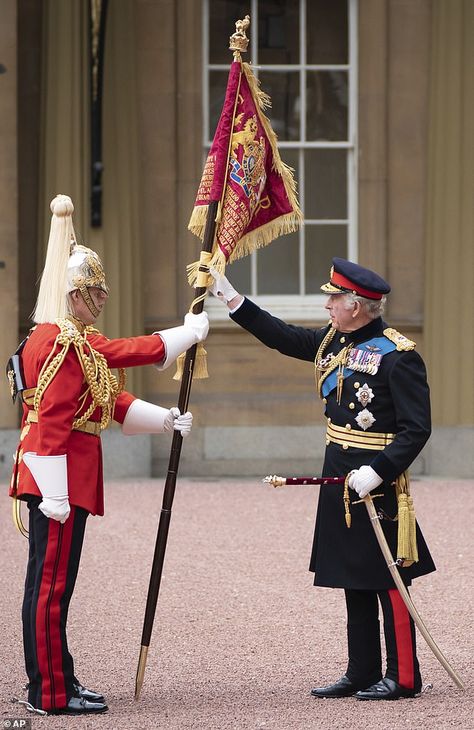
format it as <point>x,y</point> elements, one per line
<point>80,706</point>
<point>386,689</point>
<point>342,688</point>
<point>88,694</point>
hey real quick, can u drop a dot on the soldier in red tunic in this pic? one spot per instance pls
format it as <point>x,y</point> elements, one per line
<point>69,397</point>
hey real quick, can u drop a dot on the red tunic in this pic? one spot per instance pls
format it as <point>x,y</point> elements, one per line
<point>53,434</point>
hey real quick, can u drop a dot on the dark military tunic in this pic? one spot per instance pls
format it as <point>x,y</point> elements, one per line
<point>350,557</point>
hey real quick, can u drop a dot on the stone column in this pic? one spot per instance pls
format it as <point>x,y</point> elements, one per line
<point>373,31</point>
<point>8,202</point>
<point>449,251</point>
<point>407,88</point>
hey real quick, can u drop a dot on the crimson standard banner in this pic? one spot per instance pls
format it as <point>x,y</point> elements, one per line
<point>244,172</point>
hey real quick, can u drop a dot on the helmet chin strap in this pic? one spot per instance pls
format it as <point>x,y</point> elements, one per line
<point>88,300</point>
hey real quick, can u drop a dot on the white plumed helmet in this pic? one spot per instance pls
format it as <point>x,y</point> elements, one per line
<point>68,266</point>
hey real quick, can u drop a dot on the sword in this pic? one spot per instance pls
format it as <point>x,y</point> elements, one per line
<point>276,481</point>
<point>392,564</point>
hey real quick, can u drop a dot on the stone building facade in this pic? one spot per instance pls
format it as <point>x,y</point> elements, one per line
<point>412,214</point>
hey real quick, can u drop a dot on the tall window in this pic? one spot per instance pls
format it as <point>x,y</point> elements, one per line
<point>304,53</point>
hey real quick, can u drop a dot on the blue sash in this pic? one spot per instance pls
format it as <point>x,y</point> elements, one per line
<point>383,345</point>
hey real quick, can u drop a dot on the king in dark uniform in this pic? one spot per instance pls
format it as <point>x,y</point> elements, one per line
<point>376,398</point>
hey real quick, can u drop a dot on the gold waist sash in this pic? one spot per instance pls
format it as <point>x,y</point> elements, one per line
<point>91,427</point>
<point>347,437</point>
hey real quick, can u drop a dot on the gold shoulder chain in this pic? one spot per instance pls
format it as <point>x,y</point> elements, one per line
<point>68,334</point>
<point>103,386</point>
<point>338,361</point>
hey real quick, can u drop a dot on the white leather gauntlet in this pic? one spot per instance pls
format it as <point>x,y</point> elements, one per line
<point>180,339</point>
<point>50,475</point>
<point>144,417</point>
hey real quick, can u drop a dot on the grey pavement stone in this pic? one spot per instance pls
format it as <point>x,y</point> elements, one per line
<point>240,635</point>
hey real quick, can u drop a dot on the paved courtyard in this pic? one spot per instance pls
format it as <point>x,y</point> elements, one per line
<point>240,634</point>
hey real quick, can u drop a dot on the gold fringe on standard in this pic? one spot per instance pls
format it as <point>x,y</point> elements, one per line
<point>407,549</point>
<point>249,243</point>
<point>286,172</point>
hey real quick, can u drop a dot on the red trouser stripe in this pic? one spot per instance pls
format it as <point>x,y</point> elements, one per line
<point>48,613</point>
<point>403,638</point>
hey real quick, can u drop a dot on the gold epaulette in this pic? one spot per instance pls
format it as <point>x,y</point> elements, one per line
<point>403,343</point>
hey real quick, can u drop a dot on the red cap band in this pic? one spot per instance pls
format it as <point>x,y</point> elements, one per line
<point>340,280</point>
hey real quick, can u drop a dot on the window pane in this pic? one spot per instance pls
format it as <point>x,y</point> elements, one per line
<point>326,34</point>
<point>222,17</point>
<point>278,266</point>
<point>217,87</point>
<point>325,184</point>
<point>239,274</point>
<point>326,113</point>
<point>322,243</point>
<point>284,112</point>
<point>278,31</point>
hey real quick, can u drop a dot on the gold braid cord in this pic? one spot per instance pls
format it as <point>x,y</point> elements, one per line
<point>103,386</point>
<point>338,361</point>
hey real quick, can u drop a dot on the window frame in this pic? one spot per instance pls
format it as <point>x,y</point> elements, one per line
<point>297,307</point>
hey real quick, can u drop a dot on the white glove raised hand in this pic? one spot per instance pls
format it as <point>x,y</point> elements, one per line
<point>221,287</point>
<point>174,421</point>
<point>198,324</point>
<point>363,480</point>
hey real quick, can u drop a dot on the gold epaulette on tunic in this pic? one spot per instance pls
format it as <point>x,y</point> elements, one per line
<point>403,343</point>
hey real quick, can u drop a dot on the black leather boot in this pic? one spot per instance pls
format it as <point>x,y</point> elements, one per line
<point>386,689</point>
<point>342,688</point>
<point>80,706</point>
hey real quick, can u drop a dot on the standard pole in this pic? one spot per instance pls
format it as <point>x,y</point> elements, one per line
<point>170,483</point>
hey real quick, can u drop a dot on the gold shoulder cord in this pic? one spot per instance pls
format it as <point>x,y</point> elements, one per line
<point>319,372</point>
<point>103,386</point>
<point>338,361</point>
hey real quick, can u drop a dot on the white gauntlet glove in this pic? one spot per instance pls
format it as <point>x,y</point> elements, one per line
<point>198,325</point>
<point>180,339</point>
<point>50,475</point>
<point>222,288</point>
<point>144,417</point>
<point>363,480</point>
<point>177,422</point>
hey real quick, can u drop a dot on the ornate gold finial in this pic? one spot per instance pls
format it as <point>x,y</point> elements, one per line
<point>238,41</point>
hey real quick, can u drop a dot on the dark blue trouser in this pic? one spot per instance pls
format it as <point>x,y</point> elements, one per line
<point>363,635</point>
<point>53,562</point>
